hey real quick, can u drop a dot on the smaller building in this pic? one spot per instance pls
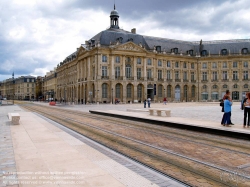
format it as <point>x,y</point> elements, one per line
<point>49,83</point>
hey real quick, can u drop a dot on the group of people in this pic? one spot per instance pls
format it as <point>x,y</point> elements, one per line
<point>149,101</point>
<point>226,108</point>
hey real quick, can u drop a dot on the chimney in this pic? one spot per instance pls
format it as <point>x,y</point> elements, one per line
<point>133,30</point>
<point>86,42</point>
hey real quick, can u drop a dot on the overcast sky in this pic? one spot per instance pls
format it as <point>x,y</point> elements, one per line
<point>35,35</point>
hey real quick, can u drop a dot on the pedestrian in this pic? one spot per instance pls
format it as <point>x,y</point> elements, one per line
<point>229,98</point>
<point>227,111</point>
<point>247,110</point>
<point>165,100</point>
<point>145,103</point>
<point>149,100</point>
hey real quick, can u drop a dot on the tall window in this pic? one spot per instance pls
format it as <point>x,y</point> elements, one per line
<point>204,76</point>
<point>214,65</point>
<point>192,65</point>
<point>169,90</point>
<point>118,91</point>
<point>224,65</point>
<point>168,64</point>
<point>138,60</point>
<point>104,71</point>
<point>204,65</point>
<point>245,75</point>
<point>235,75</point>
<point>184,65</point>
<point>168,74</point>
<point>138,73</point>
<point>176,64</point>
<point>185,75</point>
<point>214,76</point>
<point>192,76</point>
<point>159,63</point>
<point>117,59</point>
<point>117,72</point>
<point>104,58</point>
<point>129,90</point>
<point>224,74</point>
<point>149,62</point>
<point>105,90</point>
<point>159,74</point>
<point>245,64</point>
<point>160,90</point>
<point>235,64</point>
<point>149,74</point>
<point>128,71</point>
<point>176,74</point>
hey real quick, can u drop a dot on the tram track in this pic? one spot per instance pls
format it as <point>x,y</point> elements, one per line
<point>157,156</point>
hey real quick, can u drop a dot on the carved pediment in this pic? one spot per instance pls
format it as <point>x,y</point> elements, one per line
<point>130,46</point>
<point>81,50</point>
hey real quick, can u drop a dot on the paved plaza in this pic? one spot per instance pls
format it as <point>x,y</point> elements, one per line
<point>207,111</point>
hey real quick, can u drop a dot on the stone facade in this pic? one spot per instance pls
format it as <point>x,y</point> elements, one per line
<point>131,67</point>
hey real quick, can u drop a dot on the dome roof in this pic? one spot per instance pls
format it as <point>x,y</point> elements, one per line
<point>114,13</point>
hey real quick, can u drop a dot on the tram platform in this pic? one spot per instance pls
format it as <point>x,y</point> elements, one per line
<point>39,152</point>
<point>211,127</point>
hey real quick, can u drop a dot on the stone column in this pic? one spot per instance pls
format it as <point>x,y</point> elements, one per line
<point>145,69</point>
<point>112,68</point>
<point>123,67</point>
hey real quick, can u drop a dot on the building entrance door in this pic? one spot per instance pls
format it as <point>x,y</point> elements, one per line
<point>150,92</point>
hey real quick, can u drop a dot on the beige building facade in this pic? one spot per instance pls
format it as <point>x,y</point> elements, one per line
<point>131,68</point>
<point>22,88</point>
<point>49,83</point>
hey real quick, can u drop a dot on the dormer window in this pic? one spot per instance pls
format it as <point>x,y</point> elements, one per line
<point>244,51</point>
<point>174,50</point>
<point>191,52</point>
<point>130,39</point>
<point>158,49</point>
<point>224,52</point>
<point>204,53</point>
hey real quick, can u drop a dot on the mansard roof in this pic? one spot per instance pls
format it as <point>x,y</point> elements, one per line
<point>110,36</point>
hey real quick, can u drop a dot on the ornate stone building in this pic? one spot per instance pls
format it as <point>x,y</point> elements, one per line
<point>22,88</point>
<point>130,67</point>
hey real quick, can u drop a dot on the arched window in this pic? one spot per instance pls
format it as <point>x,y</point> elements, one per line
<point>129,91</point>
<point>105,90</point>
<point>128,71</point>
<point>224,52</point>
<point>104,58</point>
<point>245,86</point>
<point>204,87</point>
<point>235,86</point>
<point>118,91</point>
<point>215,86</point>
<point>224,86</point>
<point>204,53</point>
<point>244,51</point>
<point>160,87</point>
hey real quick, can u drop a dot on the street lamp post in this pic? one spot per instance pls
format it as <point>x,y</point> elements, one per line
<point>197,57</point>
<point>13,87</point>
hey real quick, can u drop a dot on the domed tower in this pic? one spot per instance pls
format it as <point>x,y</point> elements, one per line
<point>114,19</point>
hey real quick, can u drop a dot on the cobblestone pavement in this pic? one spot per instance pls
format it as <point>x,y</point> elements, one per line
<point>208,111</point>
<point>7,159</point>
